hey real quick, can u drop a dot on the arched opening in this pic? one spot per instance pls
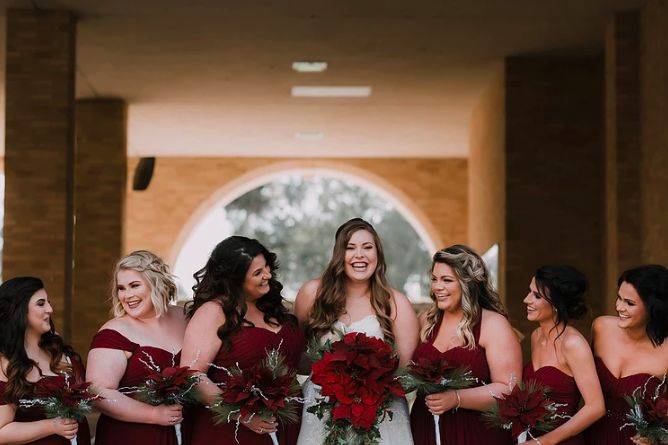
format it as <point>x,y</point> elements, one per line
<point>295,213</point>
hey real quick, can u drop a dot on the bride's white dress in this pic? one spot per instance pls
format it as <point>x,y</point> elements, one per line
<point>394,432</point>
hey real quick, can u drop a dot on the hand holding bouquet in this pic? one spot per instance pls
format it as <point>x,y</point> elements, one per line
<point>268,389</point>
<point>526,411</point>
<point>59,397</point>
<point>430,375</point>
<point>649,412</point>
<point>357,379</point>
<point>171,385</point>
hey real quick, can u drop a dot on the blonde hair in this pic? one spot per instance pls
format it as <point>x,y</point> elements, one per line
<point>330,302</point>
<point>477,292</point>
<point>156,274</point>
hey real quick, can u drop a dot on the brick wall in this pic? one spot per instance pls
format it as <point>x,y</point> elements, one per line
<point>39,91</point>
<point>155,218</point>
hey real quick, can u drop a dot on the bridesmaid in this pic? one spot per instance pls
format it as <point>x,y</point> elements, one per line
<point>630,349</point>
<point>236,315</point>
<point>561,358</point>
<point>467,325</point>
<point>31,354</point>
<point>145,327</point>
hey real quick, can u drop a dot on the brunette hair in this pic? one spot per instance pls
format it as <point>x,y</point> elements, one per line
<point>15,295</point>
<point>222,280</point>
<point>477,292</point>
<point>564,288</point>
<point>651,283</point>
<point>330,301</point>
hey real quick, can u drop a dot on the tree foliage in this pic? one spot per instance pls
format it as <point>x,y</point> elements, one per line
<point>297,217</point>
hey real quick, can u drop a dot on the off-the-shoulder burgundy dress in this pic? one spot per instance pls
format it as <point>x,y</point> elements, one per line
<point>249,346</point>
<point>111,431</point>
<point>563,390</point>
<point>464,426</point>
<point>36,413</point>
<point>608,430</point>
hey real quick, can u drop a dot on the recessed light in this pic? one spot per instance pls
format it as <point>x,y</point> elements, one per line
<point>309,66</point>
<point>309,135</point>
<point>302,91</point>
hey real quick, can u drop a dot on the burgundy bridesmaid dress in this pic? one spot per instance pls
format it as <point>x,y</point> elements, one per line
<point>463,426</point>
<point>608,430</point>
<point>249,346</point>
<point>111,431</point>
<point>563,390</point>
<point>36,413</point>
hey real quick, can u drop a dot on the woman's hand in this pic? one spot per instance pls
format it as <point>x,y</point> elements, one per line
<point>66,428</point>
<point>167,415</point>
<point>260,425</point>
<point>639,440</point>
<point>441,402</point>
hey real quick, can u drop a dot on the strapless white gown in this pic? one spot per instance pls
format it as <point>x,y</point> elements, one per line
<point>392,432</point>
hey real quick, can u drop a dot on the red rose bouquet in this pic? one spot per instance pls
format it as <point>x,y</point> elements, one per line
<point>430,375</point>
<point>649,412</point>
<point>171,385</point>
<point>60,397</point>
<point>267,389</point>
<point>525,411</point>
<point>357,379</point>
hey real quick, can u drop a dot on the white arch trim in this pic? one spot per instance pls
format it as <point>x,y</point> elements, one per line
<point>263,175</point>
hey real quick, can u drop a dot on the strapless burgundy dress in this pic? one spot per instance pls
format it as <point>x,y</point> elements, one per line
<point>464,426</point>
<point>249,346</point>
<point>563,390</point>
<point>608,430</point>
<point>36,413</point>
<point>111,431</point>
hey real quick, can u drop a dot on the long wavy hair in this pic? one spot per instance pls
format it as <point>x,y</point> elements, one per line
<point>15,295</point>
<point>330,301</point>
<point>222,280</point>
<point>477,292</point>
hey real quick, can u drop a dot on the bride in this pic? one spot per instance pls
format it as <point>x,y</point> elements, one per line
<point>353,295</point>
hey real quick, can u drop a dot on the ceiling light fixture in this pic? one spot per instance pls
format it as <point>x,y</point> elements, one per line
<point>303,91</point>
<point>309,66</point>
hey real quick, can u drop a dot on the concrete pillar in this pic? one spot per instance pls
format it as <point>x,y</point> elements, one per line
<point>99,200</point>
<point>623,242</point>
<point>39,144</point>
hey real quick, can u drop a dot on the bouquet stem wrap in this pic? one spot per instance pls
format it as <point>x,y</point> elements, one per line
<point>437,429</point>
<point>274,438</point>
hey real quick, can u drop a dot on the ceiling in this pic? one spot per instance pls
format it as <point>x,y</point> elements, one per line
<point>213,77</point>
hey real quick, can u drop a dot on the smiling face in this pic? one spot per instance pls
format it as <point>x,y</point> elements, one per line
<point>361,257</point>
<point>256,282</point>
<point>446,288</point>
<point>39,313</point>
<point>134,293</point>
<point>630,308</point>
<point>538,308</point>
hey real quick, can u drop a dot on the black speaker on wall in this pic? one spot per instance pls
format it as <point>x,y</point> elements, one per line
<point>143,174</point>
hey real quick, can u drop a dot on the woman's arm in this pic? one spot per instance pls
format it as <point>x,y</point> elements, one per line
<point>201,344</point>
<point>305,299</point>
<point>504,358</point>
<point>16,433</point>
<point>105,371</point>
<point>405,328</point>
<point>580,360</point>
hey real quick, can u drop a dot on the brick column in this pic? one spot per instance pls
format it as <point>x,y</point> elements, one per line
<point>623,243</point>
<point>99,186</point>
<point>39,92</point>
<point>654,112</point>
